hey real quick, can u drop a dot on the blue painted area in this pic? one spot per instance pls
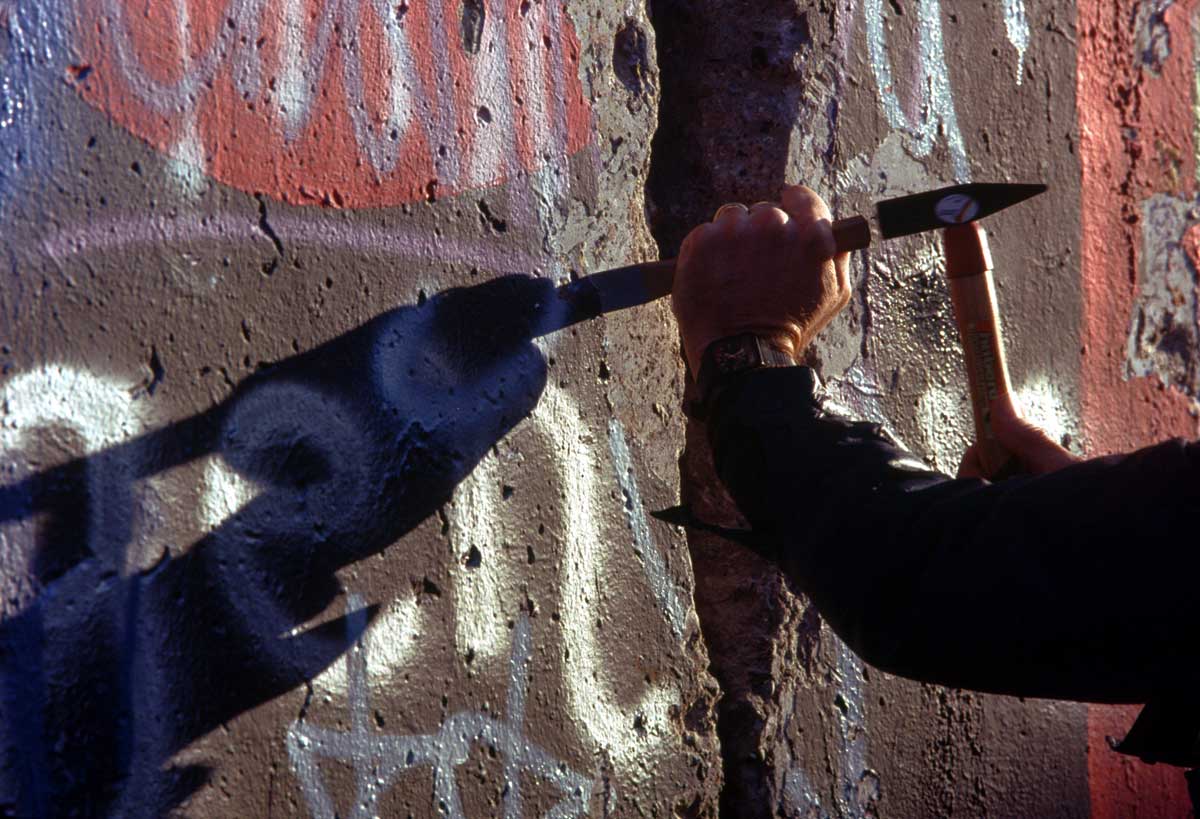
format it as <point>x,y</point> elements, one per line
<point>33,57</point>
<point>22,706</point>
<point>113,668</point>
<point>1153,33</point>
<point>855,786</point>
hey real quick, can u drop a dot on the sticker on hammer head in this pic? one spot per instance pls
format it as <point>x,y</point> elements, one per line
<point>956,209</point>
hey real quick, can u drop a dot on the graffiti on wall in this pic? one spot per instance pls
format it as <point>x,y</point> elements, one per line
<point>340,102</point>
<point>929,113</point>
<point>920,119</point>
<point>216,546</point>
<point>856,788</point>
<point>304,473</point>
<point>1164,326</point>
<point>378,759</point>
<point>1164,332</point>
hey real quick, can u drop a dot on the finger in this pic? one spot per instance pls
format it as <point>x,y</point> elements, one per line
<point>767,214</point>
<point>696,235</point>
<point>804,205</point>
<point>730,213</point>
<point>760,206</point>
<point>971,467</point>
<point>841,267</point>
<point>1038,452</point>
<point>817,240</point>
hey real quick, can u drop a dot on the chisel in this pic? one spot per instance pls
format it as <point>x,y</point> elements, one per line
<point>969,269</point>
<point>637,284</point>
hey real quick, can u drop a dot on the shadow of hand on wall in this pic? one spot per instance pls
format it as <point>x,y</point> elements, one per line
<point>120,659</point>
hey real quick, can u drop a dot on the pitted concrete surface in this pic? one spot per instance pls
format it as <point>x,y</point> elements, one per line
<point>308,511</point>
<point>304,514</point>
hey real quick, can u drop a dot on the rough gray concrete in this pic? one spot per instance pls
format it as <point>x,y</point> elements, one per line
<point>304,515</point>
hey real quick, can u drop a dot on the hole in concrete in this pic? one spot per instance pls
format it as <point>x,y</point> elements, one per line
<point>473,17</point>
<point>489,220</point>
<point>631,57</point>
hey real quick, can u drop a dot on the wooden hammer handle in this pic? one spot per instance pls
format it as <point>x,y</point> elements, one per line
<point>973,292</point>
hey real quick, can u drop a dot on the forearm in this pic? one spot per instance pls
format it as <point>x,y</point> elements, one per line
<point>1047,586</point>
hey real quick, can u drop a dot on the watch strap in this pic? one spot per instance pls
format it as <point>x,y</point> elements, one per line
<point>727,357</point>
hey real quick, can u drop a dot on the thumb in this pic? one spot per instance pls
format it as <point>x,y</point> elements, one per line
<point>971,466</point>
<point>1036,450</point>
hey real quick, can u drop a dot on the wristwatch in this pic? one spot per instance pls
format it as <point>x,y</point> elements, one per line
<point>726,357</point>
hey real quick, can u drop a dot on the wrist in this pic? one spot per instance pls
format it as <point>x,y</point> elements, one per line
<point>782,342</point>
<point>726,358</point>
<point>779,340</point>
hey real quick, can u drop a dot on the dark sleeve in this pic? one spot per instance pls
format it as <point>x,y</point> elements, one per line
<point>1080,584</point>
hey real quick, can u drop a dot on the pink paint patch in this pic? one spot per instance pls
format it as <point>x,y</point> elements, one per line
<point>1135,141</point>
<point>354,104</point>
<point>1118,176</point>
<point>1123,787</point>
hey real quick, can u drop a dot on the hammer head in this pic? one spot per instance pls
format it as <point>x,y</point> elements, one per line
<point>955,205</point>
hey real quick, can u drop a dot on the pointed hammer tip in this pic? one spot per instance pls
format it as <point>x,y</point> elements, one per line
<point>1021,192</point>
<point>1003,195</point>
<point>1027,189</point>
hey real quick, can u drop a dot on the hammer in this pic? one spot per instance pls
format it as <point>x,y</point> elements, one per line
<point>968,268</point>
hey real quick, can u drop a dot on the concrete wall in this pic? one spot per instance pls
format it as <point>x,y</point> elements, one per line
<point>860,99</point>
<point>308,510</point>
<point>302,515</point>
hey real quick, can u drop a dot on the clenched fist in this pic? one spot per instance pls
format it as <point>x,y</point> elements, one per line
<point>771,269</point>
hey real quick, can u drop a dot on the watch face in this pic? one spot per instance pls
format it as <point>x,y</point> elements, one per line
<point>734,357</point>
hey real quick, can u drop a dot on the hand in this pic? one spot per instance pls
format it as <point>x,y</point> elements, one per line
<point>769,270</point>
<point>1030,445</point>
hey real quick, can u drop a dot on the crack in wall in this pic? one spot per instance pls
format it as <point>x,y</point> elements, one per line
<point>746,104</point>
<point>755,110</point>
<point>730,126</point>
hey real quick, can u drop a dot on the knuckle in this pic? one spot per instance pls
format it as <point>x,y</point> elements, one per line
<point>729,212</point>
<point>767,218</point>
<point>804,203</point>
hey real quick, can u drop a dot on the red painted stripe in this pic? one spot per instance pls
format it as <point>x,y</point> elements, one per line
<point>243,136</point>
<point>1135,140</point>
